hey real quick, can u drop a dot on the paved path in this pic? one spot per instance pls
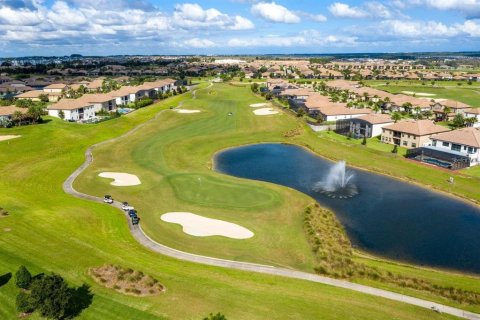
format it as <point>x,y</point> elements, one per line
<point>146,241</point>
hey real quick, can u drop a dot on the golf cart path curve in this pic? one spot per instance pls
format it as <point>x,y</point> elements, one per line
<point>146,241</point>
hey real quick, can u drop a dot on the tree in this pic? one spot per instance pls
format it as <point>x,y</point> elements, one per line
<point>24,303</point>
<point>61,114</point>
<point>51,296</point>
<point>459,120</point>
<point>300,112</point>
<point>23,278</point>
<point>395,149</point>
<point>254,87</point>
<point>217,316</point>
<point>43,97</point>
<point>396,116</point>
<point>364,142</point>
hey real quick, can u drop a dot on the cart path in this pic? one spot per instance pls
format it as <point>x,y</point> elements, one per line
<point>146,241</point>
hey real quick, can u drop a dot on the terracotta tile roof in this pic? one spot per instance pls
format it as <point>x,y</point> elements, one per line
<point>56,86</point>
<point>30,94</point>
<point>417,127</point>
<point>473,111</point>
<point>10,110</point>
<point>376,118</point>
<point>466,136</point>
<point>69,104</point>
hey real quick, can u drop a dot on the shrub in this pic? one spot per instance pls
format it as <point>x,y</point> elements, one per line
<point>51,296</point>
<point>23,278</point>
<point>23,302</point>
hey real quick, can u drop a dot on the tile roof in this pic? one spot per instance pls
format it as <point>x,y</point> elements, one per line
<point>417,127</point>
<point>466,136</point>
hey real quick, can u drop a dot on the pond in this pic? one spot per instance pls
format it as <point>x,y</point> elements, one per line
<point>384,216</point>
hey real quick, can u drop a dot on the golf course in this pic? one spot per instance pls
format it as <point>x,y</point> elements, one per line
<point>169,156</point>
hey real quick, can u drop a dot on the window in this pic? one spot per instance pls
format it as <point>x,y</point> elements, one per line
<point>405,143</point>
<point>456,147</point>
<point>414,145</point>
<point>445,144</point>
<point>472,150</point>
<point>434,143</point>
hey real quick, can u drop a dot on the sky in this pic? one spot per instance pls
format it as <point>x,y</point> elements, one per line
<point>108,27</point>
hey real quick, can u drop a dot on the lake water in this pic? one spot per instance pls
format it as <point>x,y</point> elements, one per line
<point>388,217</point>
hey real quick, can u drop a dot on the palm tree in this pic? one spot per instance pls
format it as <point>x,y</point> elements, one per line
<point>470,121</point>
<point>396,116</point>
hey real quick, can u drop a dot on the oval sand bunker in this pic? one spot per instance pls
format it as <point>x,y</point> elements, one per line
<point>199,226</point>
<point>121,179</point>
<point>187,111</point>
<point>258,105</point>
<point>8,137</point>
<point>265,111</point>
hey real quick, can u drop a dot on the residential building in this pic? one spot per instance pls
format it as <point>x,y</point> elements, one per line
<point>6,113</point>
<point>411,133</point>
<point>73,109</point>
<point>369,125</point>
<point>474,113</point>
<point>465,141</point>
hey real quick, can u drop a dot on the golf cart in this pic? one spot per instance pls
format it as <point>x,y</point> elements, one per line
<point>132,213</point>
<point>126,206</point>
<point>108,199</point>
<point>135,220</point>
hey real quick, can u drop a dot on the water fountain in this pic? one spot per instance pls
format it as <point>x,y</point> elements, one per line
<point>338,183</point>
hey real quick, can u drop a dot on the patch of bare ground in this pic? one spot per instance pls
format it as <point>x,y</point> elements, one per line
<point>126,280</point>
<point>3,213</point>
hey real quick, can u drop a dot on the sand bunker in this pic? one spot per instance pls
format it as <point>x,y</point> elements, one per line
<point>265,111</point>
<point>419,93</point>
<point>8,137</point>
<point>199,226</point>
<point>258,105</point>
<point>121,179</point>
<point>187,111</point>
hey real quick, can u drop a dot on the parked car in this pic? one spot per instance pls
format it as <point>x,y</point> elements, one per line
<point>108,199</point>
<point>127,207</point>
<point>132,213</point>
<point>135,220</point>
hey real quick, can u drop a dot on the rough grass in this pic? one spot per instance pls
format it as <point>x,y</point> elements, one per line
<point>335,259</point>
<point>126,280</point>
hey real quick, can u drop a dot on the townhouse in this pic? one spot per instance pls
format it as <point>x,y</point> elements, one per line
<point>411,133</point>
<point>369,125</point>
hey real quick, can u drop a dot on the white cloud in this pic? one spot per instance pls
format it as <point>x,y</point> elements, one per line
<point>272,12</point>
<point>370,9</point>
<point>303,39</point>
<point>343,10</point>
<point>199,43</point>
<point>192,15</point>
<point>422,30</point>
<point>19,17</point>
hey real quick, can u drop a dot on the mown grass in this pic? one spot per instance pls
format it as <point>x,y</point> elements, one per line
<point>183,145</point>
<point>469,94</point>
<point>50,231</point>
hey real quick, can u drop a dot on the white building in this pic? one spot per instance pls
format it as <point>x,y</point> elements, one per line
<point>73,110</point>
<point>464,141</point>
<point>369,125</point>
<point>474,113</point>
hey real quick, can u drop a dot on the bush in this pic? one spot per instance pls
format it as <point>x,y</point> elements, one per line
<point>395,149</point>
<point>24,303</point>
<point>143,103</point>
<point>51,296</point>
<point>23,278</point>
<point>217,316</point>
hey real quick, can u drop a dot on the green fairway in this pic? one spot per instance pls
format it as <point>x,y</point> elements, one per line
<point>50,231</point>
<point>173,159</point>
<point>469,94</point>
